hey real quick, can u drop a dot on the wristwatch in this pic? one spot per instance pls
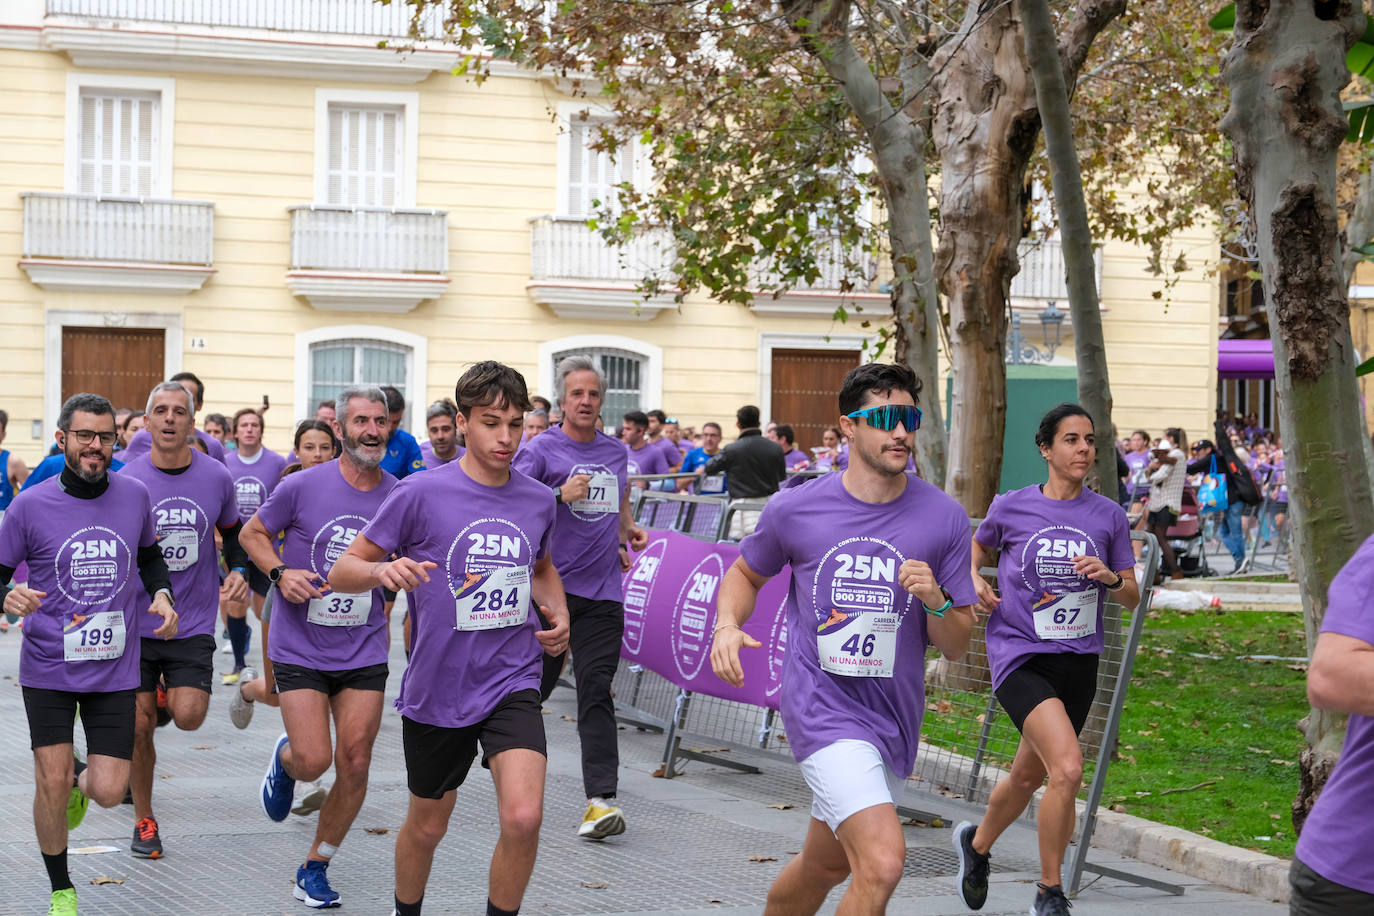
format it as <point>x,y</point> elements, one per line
<point>558,494</point>
<point>940,611</point>
<point>275,575</point>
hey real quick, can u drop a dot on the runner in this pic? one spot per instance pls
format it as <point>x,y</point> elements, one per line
<point>853,695</point>
<point>587,470</point>
<point>83,536</point>
<point>1059,545</point>
<point>644,457</point>
<point>192,495</point>
<point>315,444</point>
<point>474,677</point>
<point>442,446</point>
<point>12,469</point>
<point>403,455</point>
<point>255,471</point>
<point>141,442</point>
<point>696,459</point>
<point>328,648</point>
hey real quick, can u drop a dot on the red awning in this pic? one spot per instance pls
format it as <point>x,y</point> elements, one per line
<point>1241,359</point>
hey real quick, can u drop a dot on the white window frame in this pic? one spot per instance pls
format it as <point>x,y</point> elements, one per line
<point>417,384</point>
<point>54,320</point>
<point>652,378</point>
<point>569,112</point>
<point>164,87</point>
<point>770,341</point>
<point>408,102</point>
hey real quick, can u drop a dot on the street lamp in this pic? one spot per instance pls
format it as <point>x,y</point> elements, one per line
<point>1022,352</point>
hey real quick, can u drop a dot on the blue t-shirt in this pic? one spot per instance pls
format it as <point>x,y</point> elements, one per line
<point>402,455</point>
<point>6,488</point>
<point>695,460</point>
<point>52,466</point>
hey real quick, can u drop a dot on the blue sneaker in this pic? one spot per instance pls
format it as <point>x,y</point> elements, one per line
<point>277,786</point>
<point>312,886</point>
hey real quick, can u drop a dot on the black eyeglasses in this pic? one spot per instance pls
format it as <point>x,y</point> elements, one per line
<point>887,416</point>
<point>86,436</point>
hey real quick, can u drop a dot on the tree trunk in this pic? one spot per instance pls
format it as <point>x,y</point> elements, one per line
<point>1286,69</point>
<point>1052,98</point>
<point>899,155</point>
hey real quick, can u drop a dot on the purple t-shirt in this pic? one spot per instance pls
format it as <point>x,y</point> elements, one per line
<point>254,480</point>
<point>186,509</point>
<point>672,455</point>
<point>84,554</point>
<point>844,555</point>
<point>794,458</point>
<point>1046,606</point>
<point>585,551</point>
<point>648,459</point>
<point>432,460</point>
<point>1336,840</point>
<point>485,541</point>
<point>320,514</point>
<point>1137,484</point>
<point>142,443</point>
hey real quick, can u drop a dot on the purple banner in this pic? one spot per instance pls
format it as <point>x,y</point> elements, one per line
<point>670,612</point>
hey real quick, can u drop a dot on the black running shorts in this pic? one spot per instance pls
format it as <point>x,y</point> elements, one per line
<point>299,677</point>
<point>107,718</point>
<point>438,758</point>
<point>188,662</point>
<point>1068,676</point>
<point>258,581</point>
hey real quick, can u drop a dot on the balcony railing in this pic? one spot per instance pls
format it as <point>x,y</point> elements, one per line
<point>830,262</point>
<point>563,248</point>
<point>1042,270</point>
<point>339,17</point>
<point>79,227</point>
<point>369,240</point>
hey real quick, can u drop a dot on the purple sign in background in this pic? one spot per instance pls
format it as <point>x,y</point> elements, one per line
<point>670,611</point>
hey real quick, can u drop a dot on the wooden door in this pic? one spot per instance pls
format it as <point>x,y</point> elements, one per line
<point>806,390</point>
<point>123,364</point>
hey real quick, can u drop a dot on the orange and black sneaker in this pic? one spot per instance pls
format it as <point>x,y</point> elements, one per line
<point>147,844</point>
<point>164,715</point>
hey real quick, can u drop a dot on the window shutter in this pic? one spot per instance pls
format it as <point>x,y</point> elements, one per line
<point>595,176</point>
<point>117,147</point>
<point>364,156</point>
<point>575,203</point>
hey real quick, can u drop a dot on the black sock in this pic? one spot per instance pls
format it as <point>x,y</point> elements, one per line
<point>57,870</point>
<point>409,909</point>
<point>494,910</point>
<point>238,638</point>
<point>77,766</point>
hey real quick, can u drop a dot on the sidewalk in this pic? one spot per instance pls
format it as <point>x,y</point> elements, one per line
<point>710,841</point>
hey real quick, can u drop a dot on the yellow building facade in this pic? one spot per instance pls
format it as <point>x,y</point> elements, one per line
<point>259,194</point>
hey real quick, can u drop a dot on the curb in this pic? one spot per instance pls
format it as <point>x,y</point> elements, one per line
<point>1177,849</point>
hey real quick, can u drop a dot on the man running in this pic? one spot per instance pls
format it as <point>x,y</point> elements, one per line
<point>192,495</point>
<point>475,667</point>
<point>587,471</point>
<point>83,535</point>
<point>403,455</point>
<point>141,441</point>
<point>328,648</point>
<point>644,457</point>
<point>880,569</point>
<point>441,420</point>
<point>255,471</point>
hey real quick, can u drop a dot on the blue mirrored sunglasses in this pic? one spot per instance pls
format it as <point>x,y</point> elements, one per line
<point>887,416</point>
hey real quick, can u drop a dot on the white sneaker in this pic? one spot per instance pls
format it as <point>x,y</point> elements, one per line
<point>240,707</point>
<point>602,819</point>
<point>312,799</point>
<point>227,648</point>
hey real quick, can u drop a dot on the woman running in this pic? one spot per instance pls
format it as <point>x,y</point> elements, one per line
<point>1062,548</point>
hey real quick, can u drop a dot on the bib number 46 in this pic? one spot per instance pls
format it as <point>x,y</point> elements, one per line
<point>853,646</point>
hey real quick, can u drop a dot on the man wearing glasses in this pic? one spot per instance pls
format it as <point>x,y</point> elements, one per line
<point>879,570</point>
<point>84,536</point>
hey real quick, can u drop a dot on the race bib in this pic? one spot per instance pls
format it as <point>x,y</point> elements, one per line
<point>858,644</point>
<point>180,548</point>
<point>497,598</point>
<point>1069,616</point>
<point>713,484</point>
<point>93,637</point>
<point>340,609</point>
<point>603,496</point>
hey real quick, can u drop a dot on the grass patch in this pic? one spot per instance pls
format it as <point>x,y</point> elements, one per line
<point>1193,720</point>
<point>1270,577</point>
<point>1187,721</point>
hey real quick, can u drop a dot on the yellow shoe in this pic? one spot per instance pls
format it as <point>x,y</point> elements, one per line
<point>600,822</point>
<point>63,902</point>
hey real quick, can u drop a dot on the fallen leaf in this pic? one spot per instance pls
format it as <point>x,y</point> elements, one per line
<point>661,772</point>
<point>1284,763</point>
<point>1259,750</point>
<point>1156,703</point>
<point>1297,667</point>
<point>1119,809</point>
<point>763,859</point>
<point>783,807</point>
<point>376,831</point>
<point>709,750</point>
<point>981,717</point>
<point>165,776</point>
<point>596,885</point>
<point>943,706</point>
<point>203,747</point>
<point>546,712</point>
<point>567,718</point>
<point>106,879</point>
<point>713,900</point>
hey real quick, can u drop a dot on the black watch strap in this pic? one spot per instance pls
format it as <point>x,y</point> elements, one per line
<point>275,575</point>
<point>558,494</point>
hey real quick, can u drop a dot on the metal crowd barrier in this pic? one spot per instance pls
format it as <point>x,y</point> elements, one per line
<point>967,743</point>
